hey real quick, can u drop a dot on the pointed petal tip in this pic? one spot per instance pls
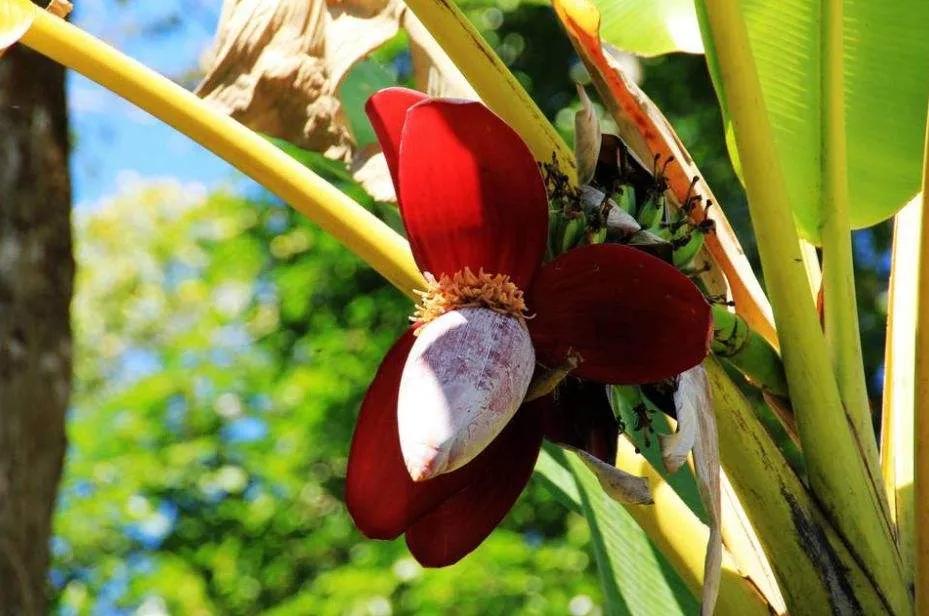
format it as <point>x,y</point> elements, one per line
<point>471,192</point>
<point>386,109</point>
<point>420,474</point>
<point>425,461</point>
<point>393,98</point>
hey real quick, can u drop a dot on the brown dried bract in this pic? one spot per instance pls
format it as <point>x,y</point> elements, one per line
<point>587,138</point>
<point>59,8</point>
<point>277,65</point>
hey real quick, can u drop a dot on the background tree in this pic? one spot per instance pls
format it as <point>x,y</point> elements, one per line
<point>36,271</point>
<point>220,363</point>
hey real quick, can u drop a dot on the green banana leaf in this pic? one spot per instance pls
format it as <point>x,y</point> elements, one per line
<point>650,27</point>
<point>886,75</point>
<point>365,78</point>
<point>635,578</point>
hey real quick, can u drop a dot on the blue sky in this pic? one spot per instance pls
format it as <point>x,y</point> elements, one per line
<point>116,143</point>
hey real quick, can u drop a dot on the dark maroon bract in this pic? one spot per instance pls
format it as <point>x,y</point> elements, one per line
<point>471,195</point>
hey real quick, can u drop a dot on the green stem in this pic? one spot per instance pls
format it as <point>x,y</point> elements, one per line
<point>839,305</point>
<point>747,351</point>
<point>838,472</point>
<point>813,565</point>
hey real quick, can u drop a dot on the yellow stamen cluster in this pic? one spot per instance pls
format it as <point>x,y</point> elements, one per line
<point>466,289</point>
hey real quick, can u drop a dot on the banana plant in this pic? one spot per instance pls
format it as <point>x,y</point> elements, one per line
<point>824,104</point>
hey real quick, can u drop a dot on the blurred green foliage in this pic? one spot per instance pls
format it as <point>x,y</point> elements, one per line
<point>223,346</point>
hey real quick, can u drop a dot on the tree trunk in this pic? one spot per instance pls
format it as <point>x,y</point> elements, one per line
<point>36,275</point>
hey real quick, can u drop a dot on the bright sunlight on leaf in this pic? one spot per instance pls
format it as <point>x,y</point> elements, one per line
<point>15,18</point>
<point>650,27</point>
<point>886,63</point>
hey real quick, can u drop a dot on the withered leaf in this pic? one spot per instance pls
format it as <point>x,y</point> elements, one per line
<point>677,446</point>
<point>369,167</point>
<point>696,430</point>
<point>621,224</point>
<point>586,138</point>
<point>617,483</point>
<point>277,65</point>
<point>60,8</point>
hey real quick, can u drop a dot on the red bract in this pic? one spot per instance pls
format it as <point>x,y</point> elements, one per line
<point>471,195</point>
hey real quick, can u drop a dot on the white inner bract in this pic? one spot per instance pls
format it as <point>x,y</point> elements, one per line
<point>464,378</point>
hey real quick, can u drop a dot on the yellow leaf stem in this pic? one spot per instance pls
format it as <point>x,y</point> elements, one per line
<point>333,211</point>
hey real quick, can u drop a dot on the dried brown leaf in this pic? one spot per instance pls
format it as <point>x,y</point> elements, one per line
<point>677,446</point>
<point>621,224</point>
<point>618,484</point>
<point>697,428</point>
<point>59,8</point>
<point>276,66</point>
<point>696,431</point>
<point>586,138</point>
<point>370,170</point>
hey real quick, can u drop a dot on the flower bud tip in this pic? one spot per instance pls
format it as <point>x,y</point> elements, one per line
<point>465,377</point>
<point>424,461</point>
